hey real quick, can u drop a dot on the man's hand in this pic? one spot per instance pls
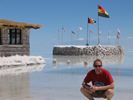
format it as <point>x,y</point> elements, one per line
<point>88,88</point>
<point>95,88</point>
<point>92,89</point>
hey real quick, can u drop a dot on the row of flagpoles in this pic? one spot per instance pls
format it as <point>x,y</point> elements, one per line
<point>101,13</point>
<point>75,35</point>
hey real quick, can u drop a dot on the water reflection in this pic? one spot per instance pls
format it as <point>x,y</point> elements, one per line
<point>15,70</point>
<point>14,87</point>
<point>85,60</point>
<point>15,82</point>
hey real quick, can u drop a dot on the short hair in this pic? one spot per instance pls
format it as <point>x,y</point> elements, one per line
<point>96,61</point>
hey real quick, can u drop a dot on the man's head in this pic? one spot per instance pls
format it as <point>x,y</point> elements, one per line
<point>97,65</point>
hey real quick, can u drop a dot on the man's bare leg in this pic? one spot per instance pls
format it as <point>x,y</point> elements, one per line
<point>109,94</point>
<point>86,93</point>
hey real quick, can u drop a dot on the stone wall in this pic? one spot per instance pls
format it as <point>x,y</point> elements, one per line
<point>13,50</point>
<point>7,49</point>
<point>97,50</point>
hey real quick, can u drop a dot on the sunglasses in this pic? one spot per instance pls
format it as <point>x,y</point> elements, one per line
<point>97,66</point>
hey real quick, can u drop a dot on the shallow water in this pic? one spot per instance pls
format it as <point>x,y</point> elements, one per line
<point>62,81</point>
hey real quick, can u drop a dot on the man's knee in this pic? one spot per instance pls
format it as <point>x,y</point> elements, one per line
<point>82,90</point>
<point>86,93</point>
<point>109,93</point>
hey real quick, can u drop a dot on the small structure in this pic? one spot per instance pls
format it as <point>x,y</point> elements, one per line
<point>14,37</point>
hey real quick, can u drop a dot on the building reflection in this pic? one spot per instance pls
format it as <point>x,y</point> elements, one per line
<point>85,60</point>
<point>15,70</point>
<point>15,82</point>
<point>14,87</point>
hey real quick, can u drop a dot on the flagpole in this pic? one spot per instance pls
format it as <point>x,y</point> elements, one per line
<point>58,36</point>
<point>98,32</point>
<point>101,12</point>
<point>62,32</point>
<point>87,35</point>
<point>71,38</point>
<point>108,38</point>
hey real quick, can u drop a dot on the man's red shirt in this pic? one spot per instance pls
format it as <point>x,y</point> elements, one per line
<point>104,78</point>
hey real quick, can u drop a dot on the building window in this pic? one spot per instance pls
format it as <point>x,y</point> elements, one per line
<point>0,38</point>
<point>14,36</point>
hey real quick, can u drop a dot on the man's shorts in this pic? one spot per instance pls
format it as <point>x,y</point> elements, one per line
<point>99,94</point>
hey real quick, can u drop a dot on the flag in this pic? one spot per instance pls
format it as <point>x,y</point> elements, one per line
<point>73,32</point>
<point>118,34</point>
<point>91,21</point>
<point>63,29</point>
<point>102,12</point>
<point>80,28</point>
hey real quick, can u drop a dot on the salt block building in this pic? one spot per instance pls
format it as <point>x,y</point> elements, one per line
<point>14,37</point>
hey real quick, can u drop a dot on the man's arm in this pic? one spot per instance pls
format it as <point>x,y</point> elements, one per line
<point>85,85</point>
<point>111,86</point>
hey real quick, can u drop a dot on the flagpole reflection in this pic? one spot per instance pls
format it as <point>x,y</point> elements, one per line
<point>87,60</point>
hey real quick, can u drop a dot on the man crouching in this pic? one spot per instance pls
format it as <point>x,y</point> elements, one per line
<point>102,83</point>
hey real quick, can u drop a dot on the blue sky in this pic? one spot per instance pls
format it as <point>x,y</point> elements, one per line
<point>71,14</point>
